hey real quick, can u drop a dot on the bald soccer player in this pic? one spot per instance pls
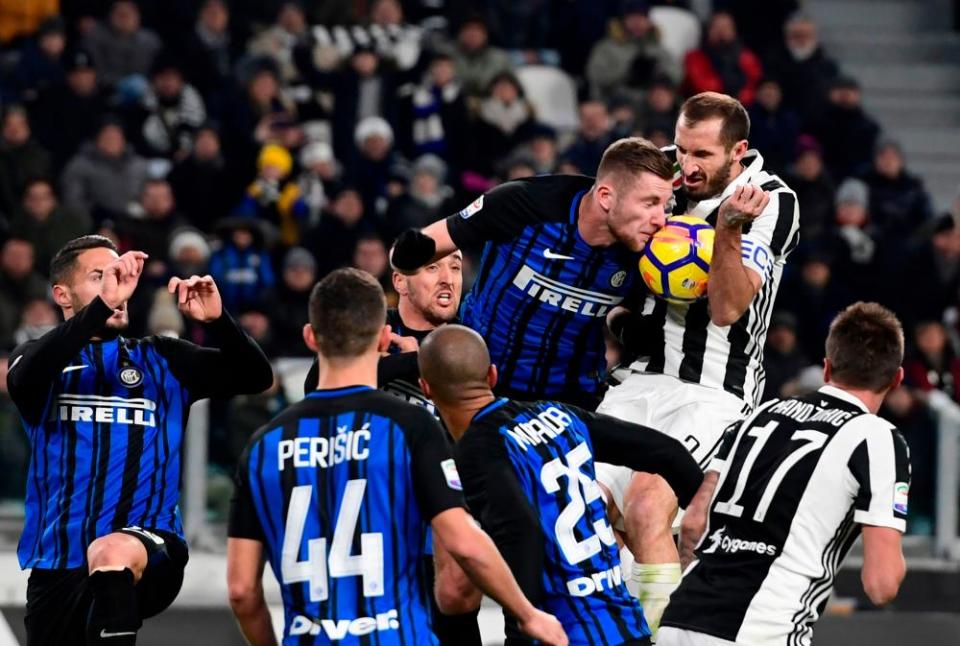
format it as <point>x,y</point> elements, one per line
<point>527,470</point>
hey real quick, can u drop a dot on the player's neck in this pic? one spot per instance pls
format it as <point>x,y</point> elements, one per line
<point>870,399</point>
<point>361,371</point>
<point>413,318</point>
<point>592,223</point>
<point>457,418</point>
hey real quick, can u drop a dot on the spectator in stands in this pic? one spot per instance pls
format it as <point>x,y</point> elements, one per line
<point>433,116</point>
<point>477,61</point>
<point>377,170</point>
<point>927,282</point>
<point>36,319</point>
<point>815,297</point>
<point>803,69</point>
<point>151,221</point>
<point>278,41</point>
<point>783,360</point>
<point>271,197</point>
<point>259,115</point>
<point>287,303</point>
<point>773,128</point>
<point>516,166</point>
<point>317,181</point>
<point>41,61</point>
<point>211,52</point>
<point>631,58</point>
<point>106,176</point>
<point>657,115</point>
<point>241,266</point>
<point>23,19</point>
<point>169,112</point>
<point>933,364</point>
<point>370,255</point>
<point>397,41</point>
<point>46,224</point>
<point>426,199</point>
<point>853,242</point>
<point>503,120</point>
<point>67,115</point>
<point>362,89</point>
<point>523,28</point>
<point>121,47</point>
<point>189,252</point>
<point>592,138</point>
<point>899,203</point>
<point>333,240</point>
<point>19,284</point>
<point>543,150</point>
<point>21,158</point>
<point>203,184</point>
<point>722,64</point>
<point>847,133</point>
<point>815,190</point>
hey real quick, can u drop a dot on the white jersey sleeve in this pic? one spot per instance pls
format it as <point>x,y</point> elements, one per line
<point>881,466</point>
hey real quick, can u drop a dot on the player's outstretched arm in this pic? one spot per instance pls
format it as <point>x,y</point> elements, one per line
<point>475,552</point>
<point>883,564</point>
<point>645,449</point>
<point>695,518</point>
<point>245,585</point>
<point>235,366</point>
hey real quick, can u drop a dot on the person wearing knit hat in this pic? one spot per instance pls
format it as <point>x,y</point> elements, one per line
<point>853,191</point>
<point>373,127</point>
<point>189,251</point>
<point>274,162</point>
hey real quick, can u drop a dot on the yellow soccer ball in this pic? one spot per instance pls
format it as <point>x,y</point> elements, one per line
<point>676,263</point>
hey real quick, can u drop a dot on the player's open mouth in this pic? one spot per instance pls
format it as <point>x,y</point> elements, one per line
<point>692,181</point>
<point>445,298</point>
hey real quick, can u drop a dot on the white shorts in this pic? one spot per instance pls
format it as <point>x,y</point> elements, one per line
<point>693,414</point>
<point>670,636</point>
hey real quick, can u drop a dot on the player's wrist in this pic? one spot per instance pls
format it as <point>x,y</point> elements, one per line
<point>412,250</point>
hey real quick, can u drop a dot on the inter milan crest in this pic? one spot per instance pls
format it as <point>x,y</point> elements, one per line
<point>131,376</point>
<point>617,279</point>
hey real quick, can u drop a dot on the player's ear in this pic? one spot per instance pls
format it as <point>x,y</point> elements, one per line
<point>61,296</point>
<point>827,369</point>
<point>739,150</point>
<point>399,283</point>
<point>605,194</point>
<point>425,387</point>
<point>897,378</point>
<point>383,341</point>
<point>492,376</point>
<point>310,338</point>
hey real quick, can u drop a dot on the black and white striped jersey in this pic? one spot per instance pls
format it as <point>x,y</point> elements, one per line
<point>797,481</point>
<point>400,44</point>
<point>692,348</point>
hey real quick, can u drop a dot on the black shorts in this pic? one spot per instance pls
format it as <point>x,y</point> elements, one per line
<point>58,601</point>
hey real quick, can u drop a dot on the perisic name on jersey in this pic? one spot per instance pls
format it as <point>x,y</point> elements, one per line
<point>322,452</point>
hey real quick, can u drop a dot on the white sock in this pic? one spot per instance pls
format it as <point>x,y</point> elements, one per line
<point>656,581</point>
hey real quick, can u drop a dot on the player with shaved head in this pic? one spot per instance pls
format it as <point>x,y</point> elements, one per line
<point>527,473</point>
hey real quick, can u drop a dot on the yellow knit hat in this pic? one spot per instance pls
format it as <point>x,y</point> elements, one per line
<point>276,156</point>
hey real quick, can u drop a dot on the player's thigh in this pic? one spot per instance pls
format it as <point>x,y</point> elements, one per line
<point>670,636</point>
<point>58,602</point>
<point>699,424</point>
<point>615,479</point>
<point>163,576</point>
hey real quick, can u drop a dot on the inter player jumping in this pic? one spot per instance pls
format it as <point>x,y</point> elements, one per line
<point>339,490</point>
<point>105,417</point>
<point>527,473</point>
<point>790,491</point>
<point>560,253</point>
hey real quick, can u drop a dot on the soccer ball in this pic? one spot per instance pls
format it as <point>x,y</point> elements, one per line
<point>676,262</point>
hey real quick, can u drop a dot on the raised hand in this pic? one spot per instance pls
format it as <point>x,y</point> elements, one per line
<point>197,297</point>
<point>120,278</point>
<point>404,343</point>
<point>745,205</point>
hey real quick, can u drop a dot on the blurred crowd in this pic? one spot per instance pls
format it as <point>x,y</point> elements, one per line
<point>268,142</point>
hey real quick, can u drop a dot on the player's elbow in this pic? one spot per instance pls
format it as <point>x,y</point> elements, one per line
<point>723,317</point>
<point>456,595</point>
<point>245,597</point>
<point>882,584</point>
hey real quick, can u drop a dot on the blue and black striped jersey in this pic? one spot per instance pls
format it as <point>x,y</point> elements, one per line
<point>542,293</point>
<point>340,488</point>
<point>528,476</point>
<point>105,421</point>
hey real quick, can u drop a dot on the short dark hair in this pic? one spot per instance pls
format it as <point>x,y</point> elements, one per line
<point>347,311</point>
<point>735,122</point>
<point>865,346</point>
<point>633,155</point>
<point>64,262</point>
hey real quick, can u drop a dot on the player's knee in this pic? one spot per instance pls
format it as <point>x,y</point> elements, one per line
<point>117,551</point>
<point>649,502</point>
